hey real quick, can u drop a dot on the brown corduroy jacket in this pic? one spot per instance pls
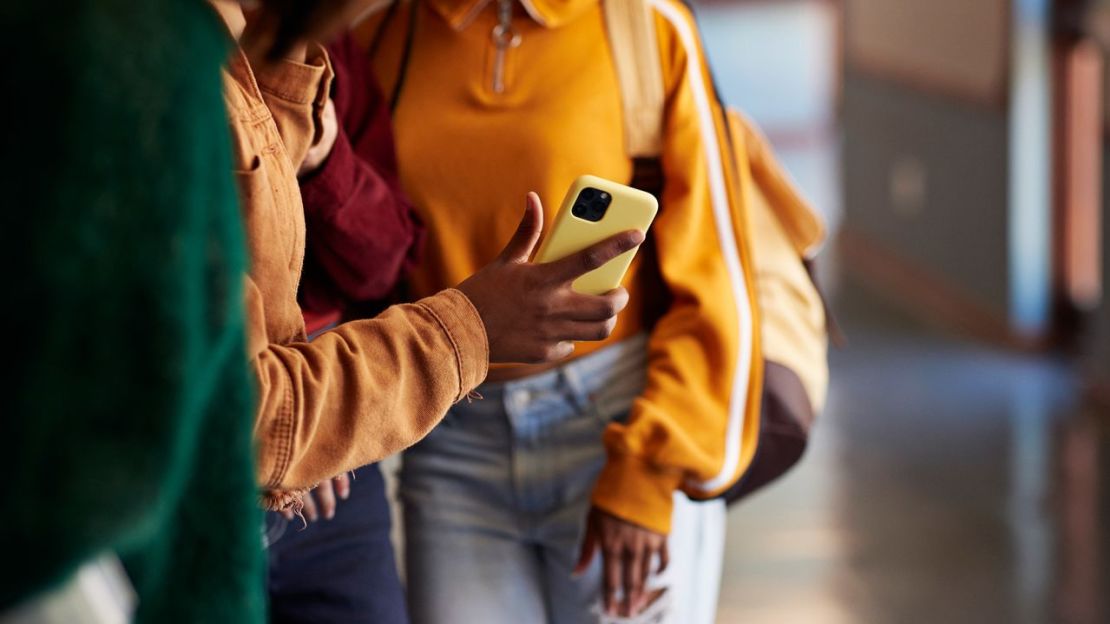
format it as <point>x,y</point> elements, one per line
<point>368,388</point>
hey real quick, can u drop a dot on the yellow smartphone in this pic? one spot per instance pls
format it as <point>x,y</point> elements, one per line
<point>595,209</point>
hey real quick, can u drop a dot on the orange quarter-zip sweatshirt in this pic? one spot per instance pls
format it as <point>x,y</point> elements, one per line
<point>490,110</point>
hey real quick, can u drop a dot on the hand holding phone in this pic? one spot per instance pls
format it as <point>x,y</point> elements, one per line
<point>593,210</point>
<point>531,312</point>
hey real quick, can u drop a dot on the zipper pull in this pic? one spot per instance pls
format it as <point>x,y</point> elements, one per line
<point>504,39</point>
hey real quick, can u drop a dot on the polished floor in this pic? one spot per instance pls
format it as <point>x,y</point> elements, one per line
<point>946,483</point>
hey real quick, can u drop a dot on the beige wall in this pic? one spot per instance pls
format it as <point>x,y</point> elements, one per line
<point>957,47</point>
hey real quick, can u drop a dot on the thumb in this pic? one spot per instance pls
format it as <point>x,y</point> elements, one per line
<point>527,233</point>
<point>589,547</point>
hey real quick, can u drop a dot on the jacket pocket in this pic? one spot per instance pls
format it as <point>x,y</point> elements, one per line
<point>251,181</point>
<point>257,200</point>
<point>260,223</point>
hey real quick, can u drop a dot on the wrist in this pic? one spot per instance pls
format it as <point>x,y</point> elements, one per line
<point>637,492</point>
<point>329,132</point>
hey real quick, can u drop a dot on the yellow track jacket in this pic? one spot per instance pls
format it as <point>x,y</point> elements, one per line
<point>474,133</point>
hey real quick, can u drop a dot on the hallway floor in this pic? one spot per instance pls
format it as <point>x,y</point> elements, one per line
<point>946,483</point>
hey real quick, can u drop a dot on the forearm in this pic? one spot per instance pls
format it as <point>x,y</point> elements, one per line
<point>687,430</point>
<point>365,390</point>
<point>362,231</point>
<point>694,426</point>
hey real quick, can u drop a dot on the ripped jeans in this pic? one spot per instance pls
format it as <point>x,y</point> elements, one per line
<point>495,501</point>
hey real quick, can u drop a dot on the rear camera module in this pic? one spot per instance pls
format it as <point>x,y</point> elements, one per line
<point>591,204</point>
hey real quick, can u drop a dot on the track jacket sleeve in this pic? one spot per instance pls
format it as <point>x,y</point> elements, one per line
<point>684,432</point>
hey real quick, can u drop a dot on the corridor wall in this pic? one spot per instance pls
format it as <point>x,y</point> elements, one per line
<point>929,154</point>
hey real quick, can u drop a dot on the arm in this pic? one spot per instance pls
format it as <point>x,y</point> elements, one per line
<point>362,232</point>
<point>369,388</point>
<point>360,392</point>
<point>684,431</point>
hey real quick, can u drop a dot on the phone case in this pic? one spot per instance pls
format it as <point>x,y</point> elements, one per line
<point>630,209</point>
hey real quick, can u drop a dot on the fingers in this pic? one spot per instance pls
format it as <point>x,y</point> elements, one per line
<point>325,495</point>
<point>343,486</point>
<point>627,552</point>
<point>664,558</point>
<point>321,502</point>
<point>584,332</point>
<point>577,317</point>
<point>586,308</point>
<point>589,548</point>
<point>634,578</point>
<point>612,576</point>
<point>553,353</point>
<point>309,510</point>
<point>527,233</point>
<point>571,267</point>
<point>645,597</point>
<point>329,130</point>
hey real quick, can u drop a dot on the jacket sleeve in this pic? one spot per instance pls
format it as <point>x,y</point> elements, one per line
<point>360,392</point>
<point>362,232</point>
<point>684,431</point>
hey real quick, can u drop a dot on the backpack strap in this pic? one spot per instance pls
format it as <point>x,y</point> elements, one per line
<point>632,38</point>
<point>805,228</point>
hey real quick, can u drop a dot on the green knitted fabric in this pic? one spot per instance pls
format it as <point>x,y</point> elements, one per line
<point>126,416</point>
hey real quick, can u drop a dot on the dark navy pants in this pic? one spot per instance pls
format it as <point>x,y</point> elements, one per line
<point>340,570</point>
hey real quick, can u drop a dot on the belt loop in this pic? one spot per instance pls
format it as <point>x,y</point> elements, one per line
<point>514,406</point>
<point>579,393</point>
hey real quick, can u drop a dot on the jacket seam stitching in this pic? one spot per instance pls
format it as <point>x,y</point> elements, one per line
<point>454,347</point>
<point>285,437</point>
<point>288,96</point>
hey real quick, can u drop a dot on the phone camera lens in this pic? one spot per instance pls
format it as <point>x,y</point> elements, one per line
<point>591,204</point>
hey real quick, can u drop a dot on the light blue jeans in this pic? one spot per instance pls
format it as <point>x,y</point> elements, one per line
<point>495,499</point>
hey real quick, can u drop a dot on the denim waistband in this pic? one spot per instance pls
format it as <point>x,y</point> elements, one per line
<point>620,366</point>
<point>584,375</point>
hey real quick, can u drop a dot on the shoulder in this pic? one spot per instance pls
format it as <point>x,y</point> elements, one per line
<point>675,23</point>
<point>680,46</point>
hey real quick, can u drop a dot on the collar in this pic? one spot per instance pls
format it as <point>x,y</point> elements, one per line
<point>548,13</point>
